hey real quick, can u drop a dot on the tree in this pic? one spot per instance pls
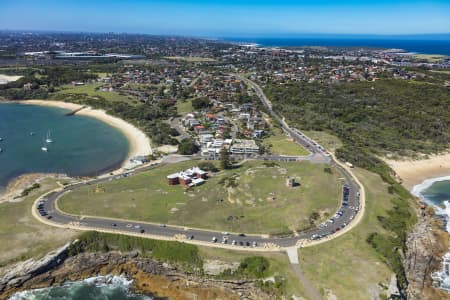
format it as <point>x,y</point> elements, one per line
<point>225,162</point>
<point>199,103</point>
<point>187,147</point>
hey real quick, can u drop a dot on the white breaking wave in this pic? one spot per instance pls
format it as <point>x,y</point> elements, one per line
<point>442,275</point>
<point>418,189</point>
<point>109,281</point>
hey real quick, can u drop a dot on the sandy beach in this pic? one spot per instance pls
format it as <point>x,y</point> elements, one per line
<point>7,78</point>
<point>413,172</point>
<point>139,141</point>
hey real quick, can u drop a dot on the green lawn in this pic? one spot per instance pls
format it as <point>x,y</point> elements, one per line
<point>91,90</point>
<point>184,107</point>
<point>279,264</point>
<point>22,235</point>
<point>281,144</point>
<point>348,265</point>
<point>253,198</point>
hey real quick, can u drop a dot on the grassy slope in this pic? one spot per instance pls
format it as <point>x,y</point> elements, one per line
<point>326,140</point>
<point>90,89</point>
<point>279,264</point>
<point>147,197</point>
<point>184,107</point>
<point>22,235</point>
<point>283,145</point>
<point>348,265</point>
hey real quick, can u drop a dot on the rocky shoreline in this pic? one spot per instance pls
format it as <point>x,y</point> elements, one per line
<point>150,277</point>
<point>426,244</point>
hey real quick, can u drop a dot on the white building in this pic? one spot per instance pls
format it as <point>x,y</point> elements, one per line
<point>244,147</point>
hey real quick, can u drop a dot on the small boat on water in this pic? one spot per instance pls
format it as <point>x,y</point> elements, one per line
<point>1,139</point>
<point>32,133</point>
<point>48,139</point>
<point>1,150</point>
<point>44,146</point>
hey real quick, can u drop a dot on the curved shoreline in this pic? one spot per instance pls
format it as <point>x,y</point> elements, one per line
<point>414,172</point>
<point>139,142</point>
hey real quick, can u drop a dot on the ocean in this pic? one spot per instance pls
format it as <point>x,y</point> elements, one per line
<point>81,145</point>
<point>436,192</point>
<point>427,46</point>
<point>95,288</point>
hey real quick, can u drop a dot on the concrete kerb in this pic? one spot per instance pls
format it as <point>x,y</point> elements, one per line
<point>356,219</point>
<point>143,235</point>
<point>185,228</point>
<point>300,243</point>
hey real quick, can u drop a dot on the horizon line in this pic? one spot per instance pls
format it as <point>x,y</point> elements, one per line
<point>233,35</point>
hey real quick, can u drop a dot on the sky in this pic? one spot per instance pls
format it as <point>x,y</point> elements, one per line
<point>229,18</point>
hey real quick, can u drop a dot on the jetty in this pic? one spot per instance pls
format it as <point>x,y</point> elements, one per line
<point>73,112</point>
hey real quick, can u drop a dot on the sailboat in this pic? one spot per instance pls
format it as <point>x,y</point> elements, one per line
<point>48,138</point>
<point>44,147</point>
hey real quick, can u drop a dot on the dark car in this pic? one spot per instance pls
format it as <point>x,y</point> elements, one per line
<point>49,217</point>
<point>142,231</point>
<point>241,234</point>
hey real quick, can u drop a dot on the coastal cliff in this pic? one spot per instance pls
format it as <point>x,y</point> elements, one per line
<point>426,245</point>
<point>150,277</point>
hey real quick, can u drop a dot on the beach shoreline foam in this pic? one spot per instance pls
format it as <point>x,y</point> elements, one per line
<point>415,172</point>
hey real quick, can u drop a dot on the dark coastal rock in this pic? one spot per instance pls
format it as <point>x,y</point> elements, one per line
<point>157,279</point>
<point>426,244</point>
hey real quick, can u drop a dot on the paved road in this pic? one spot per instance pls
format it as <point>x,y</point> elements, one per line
<point>58,217</point>
<point>347,210</point>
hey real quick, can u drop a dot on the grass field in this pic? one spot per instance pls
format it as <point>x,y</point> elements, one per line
<point>430,57</point>
<point>22,235</point>
<point>252,198</point>
<point>184,107</point>
<point>279,264</point>
<point>348,265</point>
<point>91,90</point>
<point>283,145</point>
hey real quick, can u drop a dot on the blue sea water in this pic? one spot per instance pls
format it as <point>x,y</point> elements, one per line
<point>413,44</point>
<point>436,192</point>
<point>95,288</point>
<point>81,145</point>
